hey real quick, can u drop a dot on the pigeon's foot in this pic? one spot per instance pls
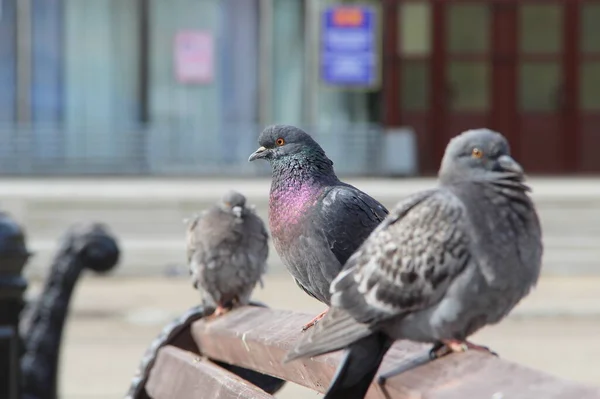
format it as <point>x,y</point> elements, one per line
<point>456,346</point>
<point>440,349</point>
<point>221,310</point>
<point>482,348</point>
<point>226,307</point>
<point>314,321</point>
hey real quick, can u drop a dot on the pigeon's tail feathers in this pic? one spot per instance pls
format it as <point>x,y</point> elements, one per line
<point>358,367</point>
<point>337,330</point>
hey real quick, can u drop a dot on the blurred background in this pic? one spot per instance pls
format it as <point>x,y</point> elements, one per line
<point>139,113</point>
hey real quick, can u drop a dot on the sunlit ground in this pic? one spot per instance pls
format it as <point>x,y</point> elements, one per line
<point>113,320</point>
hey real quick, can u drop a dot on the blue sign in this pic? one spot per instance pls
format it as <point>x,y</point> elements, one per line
<point>349,46</point>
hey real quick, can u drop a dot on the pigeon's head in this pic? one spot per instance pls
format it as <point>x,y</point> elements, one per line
<point>280,142</point>
<point>233,202</point>
<point>478,153</point>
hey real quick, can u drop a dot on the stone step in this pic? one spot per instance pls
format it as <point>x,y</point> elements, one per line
<point>147,215</point>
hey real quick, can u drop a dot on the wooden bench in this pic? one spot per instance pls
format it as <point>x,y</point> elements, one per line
<point>258,339</point>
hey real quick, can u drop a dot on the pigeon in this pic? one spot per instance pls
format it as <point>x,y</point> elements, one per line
<point>316,220</point>
<point>227,250</point>
<point>444,263</point>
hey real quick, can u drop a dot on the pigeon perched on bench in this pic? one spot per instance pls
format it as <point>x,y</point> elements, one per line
<point>316,220</point>
<point>227,250</point>
<point>445,263</point>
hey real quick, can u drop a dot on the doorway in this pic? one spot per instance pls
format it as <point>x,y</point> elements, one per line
<point>529,69</point>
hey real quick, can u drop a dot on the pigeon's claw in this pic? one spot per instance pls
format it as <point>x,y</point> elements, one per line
<point>314,321</point>
<point>221,310</point>
<point>455,346</point>
<point>481,348</point>
<point>447,347</point>
<point>440,349</point>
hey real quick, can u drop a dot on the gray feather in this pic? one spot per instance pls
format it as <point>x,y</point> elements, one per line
<point>411,261</point>
<point>335,331</point>
<point>445,262</point>
<point>227,253</point>
<point>316,220</point>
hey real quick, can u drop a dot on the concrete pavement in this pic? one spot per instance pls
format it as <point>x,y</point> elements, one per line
<point>113,319</point>
<point>146,215</point>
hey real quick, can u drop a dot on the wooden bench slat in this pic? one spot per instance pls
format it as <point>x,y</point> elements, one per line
<point>259,338</point>
<point>182,375</point>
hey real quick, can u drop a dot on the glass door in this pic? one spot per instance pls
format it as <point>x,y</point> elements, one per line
<point>466,91</point>
<point>589,86</point>
<point>413,52</point>
<point>541,96</point>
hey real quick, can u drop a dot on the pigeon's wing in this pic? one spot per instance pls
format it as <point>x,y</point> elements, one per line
<point>211,251</point>
<point>347,217</point>
<point>257,239</point>
<point>342,218</point>
<point>406,264</point>
<point>339,328</point>
<point>193,234</point>
<point>212,229</point>
<point>408,261</point>
<point>306,290</point>
<point>335,331</point>
<point>249,256</point>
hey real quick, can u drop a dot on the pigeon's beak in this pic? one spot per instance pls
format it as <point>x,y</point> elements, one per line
<point>262,152</point>
<point>237,211</point>
<point>508,164</point>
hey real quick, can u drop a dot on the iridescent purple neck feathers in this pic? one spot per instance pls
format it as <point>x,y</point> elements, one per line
<point>296,187</point>
<point>290,203</point>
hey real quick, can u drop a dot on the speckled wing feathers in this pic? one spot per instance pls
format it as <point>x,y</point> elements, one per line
<point>227,255</point>
<point>408,262</point>
<point>405,264</point>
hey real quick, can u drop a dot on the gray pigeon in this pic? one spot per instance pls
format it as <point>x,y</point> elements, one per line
<point>316,220</point>
<point>227,249</point>
<point>445,263</point>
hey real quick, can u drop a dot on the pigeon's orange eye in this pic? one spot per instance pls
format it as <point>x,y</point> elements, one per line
<point>280,142</point>
<point>476,153</point>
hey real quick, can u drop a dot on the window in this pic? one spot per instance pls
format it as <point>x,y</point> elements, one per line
<point>414,29</point>
<point>589,86</point>
<point>540,27</point>
<point>590,27</point>
<point>468,28</point>
<point>539,86</point>
<point>415,85</point>
<point>469,85</point>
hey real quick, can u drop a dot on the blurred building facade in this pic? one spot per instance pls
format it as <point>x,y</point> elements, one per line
<point>106,86</point>
<point>529,69</point>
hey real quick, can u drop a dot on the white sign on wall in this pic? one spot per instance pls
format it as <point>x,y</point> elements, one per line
<point>194,57</point>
